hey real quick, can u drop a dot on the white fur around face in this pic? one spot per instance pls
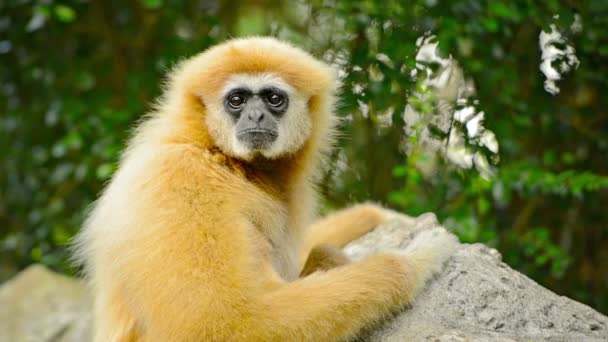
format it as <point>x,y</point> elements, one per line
<point>294,126</point>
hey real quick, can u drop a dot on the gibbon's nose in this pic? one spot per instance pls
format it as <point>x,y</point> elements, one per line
<point>256,116</point>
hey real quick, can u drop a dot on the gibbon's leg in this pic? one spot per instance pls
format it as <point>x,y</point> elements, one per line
<point>322,258</point>
<point>343,226</point>
<point>334,305</point>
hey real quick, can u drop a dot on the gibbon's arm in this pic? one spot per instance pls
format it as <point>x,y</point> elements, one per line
<point>322,258</point>
<point>335,305</point>
<point>343,226</point>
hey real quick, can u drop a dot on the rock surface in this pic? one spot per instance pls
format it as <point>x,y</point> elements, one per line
<point>476,298</point>
<point>39,305</point>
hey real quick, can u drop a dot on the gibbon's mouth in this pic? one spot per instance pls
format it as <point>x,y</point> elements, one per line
<point>257,138</point>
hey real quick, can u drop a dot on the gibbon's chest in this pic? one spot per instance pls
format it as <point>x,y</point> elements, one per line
<point>285,259</point>
<point>276,220</point>
<point>278,239</point>
<point>278,244</point>
<point>271,208</point>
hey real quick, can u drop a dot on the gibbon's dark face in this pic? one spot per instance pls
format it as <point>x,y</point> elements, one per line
<point>256,114</point>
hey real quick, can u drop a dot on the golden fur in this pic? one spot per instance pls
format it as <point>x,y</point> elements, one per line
<point>192,242</point>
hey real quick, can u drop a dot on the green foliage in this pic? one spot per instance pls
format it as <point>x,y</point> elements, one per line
<point>80,74</point>
<point>64,13</point>
<point>152,4</point>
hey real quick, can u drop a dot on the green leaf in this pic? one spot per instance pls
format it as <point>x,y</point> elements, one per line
<point>549,157</point>
<point>541,259</point>
<point>152,4</point>
<point>61,235</point>
<point>568,158</point>
<point>36,253</point>
<point>85,81</point>
<point>44,10</point>
<point>396,197</point>
<point>399,171</point>
<point>73,140</point>
<point>64,13</point>
<point>499,9</point>
<point>253,23</point>
<point>483,205</point>
<point>104,171</point>
<point>490,24</point>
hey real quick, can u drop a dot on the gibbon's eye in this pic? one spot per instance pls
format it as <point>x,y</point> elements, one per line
<point>275,99</point>
<point>236,101</point>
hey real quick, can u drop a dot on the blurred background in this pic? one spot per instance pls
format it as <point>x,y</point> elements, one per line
<point>488,113</point>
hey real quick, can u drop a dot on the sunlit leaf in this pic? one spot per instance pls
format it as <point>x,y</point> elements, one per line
<point>152,4</point>
<point>64,13</point>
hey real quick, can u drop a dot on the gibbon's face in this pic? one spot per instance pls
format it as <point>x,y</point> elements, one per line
<point>258,114</point>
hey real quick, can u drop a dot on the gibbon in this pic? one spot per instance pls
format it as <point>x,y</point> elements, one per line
<point>205,231</point>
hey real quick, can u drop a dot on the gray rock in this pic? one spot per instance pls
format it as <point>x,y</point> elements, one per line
<point>39,305</point>
<point>476,298</point>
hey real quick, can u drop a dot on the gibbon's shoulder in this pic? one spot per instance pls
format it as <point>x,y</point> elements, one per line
<point>166,165</point>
